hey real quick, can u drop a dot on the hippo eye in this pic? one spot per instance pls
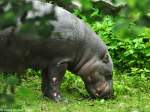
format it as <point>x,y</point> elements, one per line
<point>106,58</point>
<point>108,76</point>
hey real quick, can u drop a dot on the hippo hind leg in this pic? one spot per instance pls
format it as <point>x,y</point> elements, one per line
<point>51,80</point>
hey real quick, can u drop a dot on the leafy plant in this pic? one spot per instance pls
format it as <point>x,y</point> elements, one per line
<point>73,83</point>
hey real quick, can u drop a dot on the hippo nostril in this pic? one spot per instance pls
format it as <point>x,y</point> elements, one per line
<point>106,94</point>
<point>101,88</point>
<point>97,95</point>
<point>105,91</point>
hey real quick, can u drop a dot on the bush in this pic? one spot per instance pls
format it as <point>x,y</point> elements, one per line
<point>127,53</point>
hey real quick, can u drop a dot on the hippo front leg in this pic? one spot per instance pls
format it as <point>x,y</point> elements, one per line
<point>51,80</point>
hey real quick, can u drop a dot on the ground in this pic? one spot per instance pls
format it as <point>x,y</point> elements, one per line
<point>128,98</point>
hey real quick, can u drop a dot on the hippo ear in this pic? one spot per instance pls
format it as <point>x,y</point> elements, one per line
<point>8,31</point>
<point>6,35</point>
<point>106,58</point>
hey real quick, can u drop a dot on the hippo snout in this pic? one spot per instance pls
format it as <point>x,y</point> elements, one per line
<point>102,90</point>
<point>107,92</point>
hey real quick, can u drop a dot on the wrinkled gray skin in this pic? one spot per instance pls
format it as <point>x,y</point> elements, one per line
<point>72,45</point>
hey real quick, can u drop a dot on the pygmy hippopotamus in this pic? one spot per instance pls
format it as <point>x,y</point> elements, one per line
<point>71,45</point>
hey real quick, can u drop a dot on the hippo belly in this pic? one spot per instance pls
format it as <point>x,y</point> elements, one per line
<point>23,53</point>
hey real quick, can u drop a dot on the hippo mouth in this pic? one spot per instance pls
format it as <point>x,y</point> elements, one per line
<point>102,90</point>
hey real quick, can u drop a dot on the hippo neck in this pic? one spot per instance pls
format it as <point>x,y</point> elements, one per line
<point>88,61</point>
<point>86,64</point>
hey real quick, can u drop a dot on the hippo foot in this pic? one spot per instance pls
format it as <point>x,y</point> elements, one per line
<point>60,99</point>
<point>54,96</point>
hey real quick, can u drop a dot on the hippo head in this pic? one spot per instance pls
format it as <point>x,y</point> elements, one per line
<point>97,76</point>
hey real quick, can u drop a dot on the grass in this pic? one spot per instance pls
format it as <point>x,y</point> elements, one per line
<point>130,97</point>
